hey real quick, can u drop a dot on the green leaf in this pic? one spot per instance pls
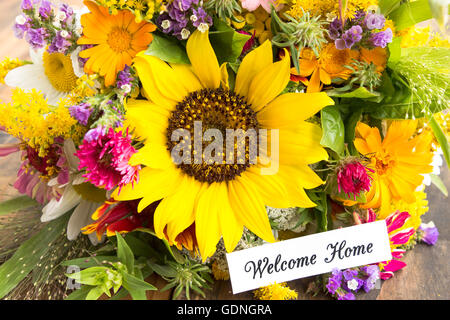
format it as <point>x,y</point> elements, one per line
<point>227,43</point>
<point>91,276</point>
<point>441,138</point>
<point>88,262</point>
<point>436,180</point>
<point>79,294</point>
<point>164,271</point>
<point>173,251</point>
<point>387,6</point>
<point>350,125</point>
<point>333,129</point>
<point>136,287</point>
<point>16,204</point>
<point>410,13</point>
<point>124,253</point>
<point>95,293</point>
<point>168,49</point>
<point>27,256</point>
<point>361,93</point>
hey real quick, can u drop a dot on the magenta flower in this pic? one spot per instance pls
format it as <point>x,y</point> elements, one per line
<point>106,159</point>
<point>352,178</point>
<point>397,236</point>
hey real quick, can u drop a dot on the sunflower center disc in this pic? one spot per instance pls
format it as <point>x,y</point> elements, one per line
<point>59,71</point>
<point>229,118</point>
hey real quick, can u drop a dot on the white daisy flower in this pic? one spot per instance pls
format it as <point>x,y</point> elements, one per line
<point>83,202</point>
<point>54,74</point>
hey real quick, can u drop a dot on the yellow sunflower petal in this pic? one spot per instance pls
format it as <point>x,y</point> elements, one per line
<point>249,207</point>
<point>207,228</point>
<point>254,62</point>
<point>230,226</point>
<point>291,108</point>
<point>203,59</point>
<point>268,83</point>
<point>177,210</point>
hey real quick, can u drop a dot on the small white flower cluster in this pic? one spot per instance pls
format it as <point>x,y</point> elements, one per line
<point>285,219</point>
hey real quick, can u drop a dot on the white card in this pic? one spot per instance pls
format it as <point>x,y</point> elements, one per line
<point>308,256</point>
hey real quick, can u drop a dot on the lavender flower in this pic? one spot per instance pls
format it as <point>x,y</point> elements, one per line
<point>68,12</point>
<point>430,233</point>
<point>36,37</point>
<point>27,4</point>
<point>374,21</point>
<point>333,285</point>
<point>124,78</point>
<point>45,9</point>
<point>349,274</point>
<point>60,43</point>
<point>352,36</point>
<point>335,29</point>
<point>346,296</point>
<point>94,134</point>
<point>382,38</point>
<point>21,26</point>
<point>81,112</point>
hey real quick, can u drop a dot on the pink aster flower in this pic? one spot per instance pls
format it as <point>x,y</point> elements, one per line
<point>252,5</point>
<point>394,222</point>
<point>105,158</point>
<point>353,178</point>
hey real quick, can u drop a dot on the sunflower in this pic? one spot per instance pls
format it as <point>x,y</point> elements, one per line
<point>221,198</point>
<point>399,162</point>
<point>330,65</point>
<point>116,39</point>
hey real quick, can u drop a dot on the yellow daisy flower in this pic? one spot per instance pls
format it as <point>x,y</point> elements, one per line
<point>116,39</point>
<point>398,160</point>
<point>220,198</point>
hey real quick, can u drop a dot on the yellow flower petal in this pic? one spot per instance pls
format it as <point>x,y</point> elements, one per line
<point>269,83</point>
<point>249,207</point>
<point>254,62</point>
<point>291,108</point>
<point>203,59</point>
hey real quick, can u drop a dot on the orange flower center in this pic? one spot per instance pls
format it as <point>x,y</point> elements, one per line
<point>119,40</point>
<point>383,164</point>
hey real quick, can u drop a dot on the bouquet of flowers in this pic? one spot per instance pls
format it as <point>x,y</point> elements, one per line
<point>155,136</point>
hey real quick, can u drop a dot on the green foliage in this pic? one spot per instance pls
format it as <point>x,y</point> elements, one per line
<point>333,129</point>
<point>185,276</point>
<point>441,138</point>
<point>15,204</point>
<point>25,259</point>
<point>101,278</point>
<point>168,49</point>
<point>227,42</point>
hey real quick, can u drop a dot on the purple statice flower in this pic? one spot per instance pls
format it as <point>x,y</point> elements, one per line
<point>68,12</point>
<point>382,38</point>
<point>21,26</point>
<point>81,112</point>
<point>36,37</point>
<point>27,4</point>
<point>183,17</point>
<point>374,21</point>
<point>45,9</point>
<point>335,29</point>
<point>350,37</point>
<point>430,233</point>
<point>59,43</point>
<point>333,285</point>
<point>359,15</point>
<point>372,272</point>
<point>124,78</point>
<point>200,16</point>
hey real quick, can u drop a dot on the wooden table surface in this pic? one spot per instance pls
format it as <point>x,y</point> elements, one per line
<point>426,277</point>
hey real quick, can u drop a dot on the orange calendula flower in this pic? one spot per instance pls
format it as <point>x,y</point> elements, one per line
<point>330,65</point>
<point>116,39</point>
<point>399,160</point>
<point>377,56</point>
